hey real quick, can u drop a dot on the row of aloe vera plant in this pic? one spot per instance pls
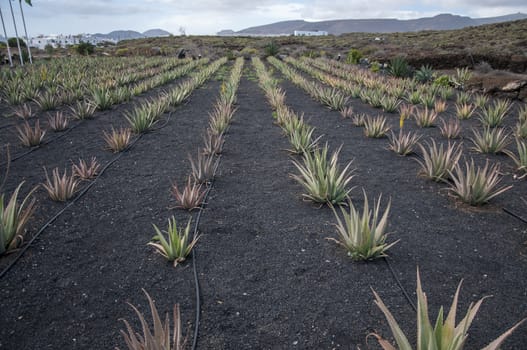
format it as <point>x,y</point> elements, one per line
<point>355,230</point>
<point>491,116</point>
<point>50,85</point>
<point>143,117</point>
<point>103,95</point>
<point>324,181</point>
<point>101,99</point>
<point>176,243</point>
<point>473,185</point>
<point>378,94</point>
<point>62,186</point>
<point>190,195</point>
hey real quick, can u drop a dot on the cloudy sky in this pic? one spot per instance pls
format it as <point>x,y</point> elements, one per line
<point>211,16</point>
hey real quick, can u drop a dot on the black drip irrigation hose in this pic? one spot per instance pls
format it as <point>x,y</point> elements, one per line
<point>398,281</point>
<point>7,126</point>
<point>60,212</point>
<point>80,195</point>
<point>194,258</point>
<point>514,215</point>
<point>32,149</point>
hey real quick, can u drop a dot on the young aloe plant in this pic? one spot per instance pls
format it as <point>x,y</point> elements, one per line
<point>60,188</point>
<point>177,246</point>
<point>14,218</point>
<point>403,143</point>
<point>364,236</point>
<point>474,185</point>
<point>160,337</point>
<point>191,196</point>
<point>521,159</point>
<point>322,178</point>
<point>445,334</point>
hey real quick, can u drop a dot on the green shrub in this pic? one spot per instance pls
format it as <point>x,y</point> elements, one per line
<point>122,52</point>
<point>353,56</point>
<point>442,80</point>
<point>375,66</point>
<point>49,49</point>
<point>249,52</point>
<point>12,42</point>
<point>85,49</point>
<point>271,49</point>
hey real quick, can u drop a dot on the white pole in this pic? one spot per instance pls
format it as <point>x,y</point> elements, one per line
<point>25,30</point>
<point>6,40</point>
<point>16,33</point>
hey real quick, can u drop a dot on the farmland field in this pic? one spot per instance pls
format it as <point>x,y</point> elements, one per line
<point>270,273</point>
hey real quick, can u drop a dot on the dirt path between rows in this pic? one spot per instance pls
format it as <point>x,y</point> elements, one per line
<point>71,287</point>
<point>271,279</point>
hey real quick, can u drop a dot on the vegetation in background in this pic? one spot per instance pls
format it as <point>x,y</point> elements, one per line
<point>353,56</point>
<point>85,49</point>
<point>271,49</point>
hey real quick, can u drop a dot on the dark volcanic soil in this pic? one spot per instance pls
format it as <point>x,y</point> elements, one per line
<point>269,277</point>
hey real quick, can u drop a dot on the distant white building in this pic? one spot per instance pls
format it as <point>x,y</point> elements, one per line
<point>229,32</point>
<point>65,40</point>
<point>310,33</point>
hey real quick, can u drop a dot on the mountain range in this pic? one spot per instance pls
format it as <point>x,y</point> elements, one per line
<point>119,35</point>
<point>385,25</point>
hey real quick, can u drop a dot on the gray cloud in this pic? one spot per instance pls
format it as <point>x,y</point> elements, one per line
<point>209,16</point>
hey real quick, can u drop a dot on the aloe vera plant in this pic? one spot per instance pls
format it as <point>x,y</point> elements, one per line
<point>301,140</point>
<point>14,217</point>
<point>160,337</point>
<point>425,118</point>
<point>474,185</point>
<point>322,178</point>
<point>521,160</point>
<point>493,116</point>
<point>58,122</point>
<point>376,127</point>
<point>363,235</point>
<point>490,140</point>
<point>445,334</point>
<point>178,243</point>
<point>30,136</point>
<point>403,143</point>
<point>190,197</point>
<point>60,188</point>
<point>439,161</point>
<point>450,129</point>
<point>117,140</point>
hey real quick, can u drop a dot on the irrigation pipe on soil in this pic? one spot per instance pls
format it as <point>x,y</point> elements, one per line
<point>80,195</point>
<point>32,149</point>
<point>194,257</point>
<point>514,215</point>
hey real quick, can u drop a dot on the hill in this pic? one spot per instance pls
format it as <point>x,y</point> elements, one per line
<point>119,35</point>
<point>502,45</point>
<point>154,33</point>
<point>386,25</point>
